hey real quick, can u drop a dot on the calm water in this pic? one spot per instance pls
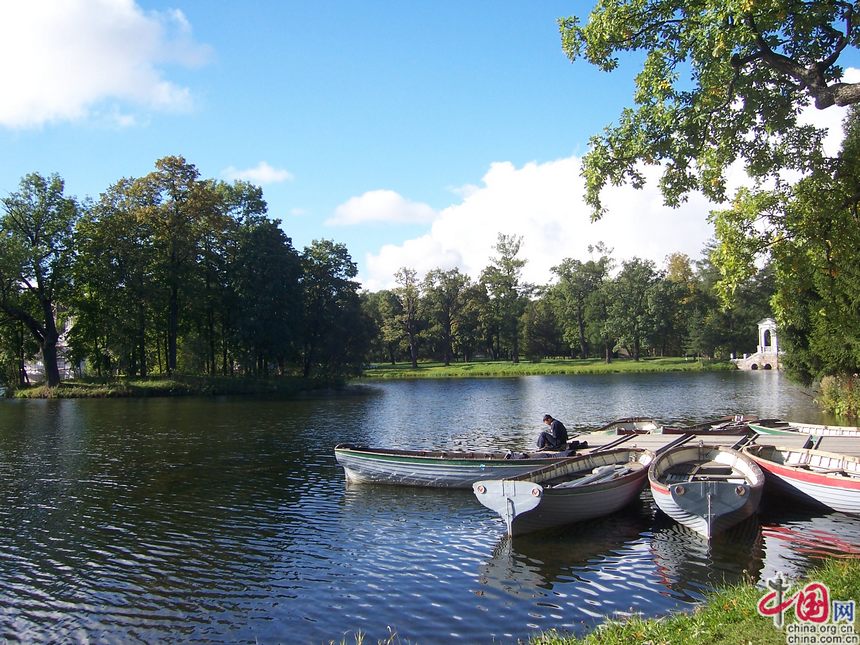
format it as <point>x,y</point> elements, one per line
<point>229,520</point>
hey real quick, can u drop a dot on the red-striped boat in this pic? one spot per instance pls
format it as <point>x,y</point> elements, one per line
<point>814,476</point>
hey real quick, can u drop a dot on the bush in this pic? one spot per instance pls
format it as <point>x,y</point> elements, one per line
<point>840,395</point>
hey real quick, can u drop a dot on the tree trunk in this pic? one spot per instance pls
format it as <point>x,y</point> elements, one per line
<point>141,339</point>
<point>49,358</point>
<point>49,346</point>
<point>583,345</point>
<point>172,329</point>
<point>413,351</point>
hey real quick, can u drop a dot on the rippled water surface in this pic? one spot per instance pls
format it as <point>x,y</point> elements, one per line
<point>228,520</point>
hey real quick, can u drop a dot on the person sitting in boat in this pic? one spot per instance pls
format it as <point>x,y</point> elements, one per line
<point>555,438</point>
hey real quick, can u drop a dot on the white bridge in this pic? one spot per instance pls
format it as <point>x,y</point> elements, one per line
<point>768,355</point>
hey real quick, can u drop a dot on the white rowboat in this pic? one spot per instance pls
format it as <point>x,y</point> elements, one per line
<point>706,488</point>
<point>576,489</point>
<point>436,468</point>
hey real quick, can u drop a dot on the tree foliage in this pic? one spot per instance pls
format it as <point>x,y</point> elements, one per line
<point>811,231</point>
<point>720,81</point>
<point>36,253</point>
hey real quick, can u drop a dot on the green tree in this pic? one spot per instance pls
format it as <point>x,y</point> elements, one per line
<point>629,314</point>
<point>577,283</point>
<point>720,81</point>
<point>269,296</point>
<point>541,333</point>
<point>810,231</point>
<point>180,206</point>
<point>445,302</point>
<point>469,330</point>
<point>36,250</point>
<point>408,319</point>
<point>503,278</point>
<point>336,332</point>
<point>115,281</point>
<point>380,308</point>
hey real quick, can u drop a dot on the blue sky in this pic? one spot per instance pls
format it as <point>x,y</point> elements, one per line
<point>413,132</point>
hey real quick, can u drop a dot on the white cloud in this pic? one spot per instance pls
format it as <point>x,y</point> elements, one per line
<point>260,174</point>
<point>62,61</point>
<point>543,204</point>
<point>381,206</point>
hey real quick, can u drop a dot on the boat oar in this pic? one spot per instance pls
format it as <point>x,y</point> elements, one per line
<point>614,443</point>
<point>680,441</point>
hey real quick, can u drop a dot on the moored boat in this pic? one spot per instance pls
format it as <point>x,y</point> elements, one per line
<point>706,488</point>
<point>573,490</point>
<point>436,468</point>
<point>794,428</point>
<point>629,425</point>
<point>734,425</point>
<point>813,476</point>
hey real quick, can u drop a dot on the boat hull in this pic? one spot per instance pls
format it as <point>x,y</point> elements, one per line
<point>431,469</point>
<point>527,505</point>
<point>801,475</point>
<point>708,505</point>
<point>793,429</point>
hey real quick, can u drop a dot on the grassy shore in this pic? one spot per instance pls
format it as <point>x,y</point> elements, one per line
<point>550,366</point>
<point>175,386</point>
<point>728,617</point>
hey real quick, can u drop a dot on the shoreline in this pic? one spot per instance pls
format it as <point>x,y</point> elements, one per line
<point>728,615</point>
<point>549,367</point>
<point>187,385</point>
<point>176,386</point>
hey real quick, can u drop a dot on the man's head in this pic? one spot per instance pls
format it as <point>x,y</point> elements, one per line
<point>547,419</point>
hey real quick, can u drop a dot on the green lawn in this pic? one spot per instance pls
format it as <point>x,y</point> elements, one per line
<point>549,366</point>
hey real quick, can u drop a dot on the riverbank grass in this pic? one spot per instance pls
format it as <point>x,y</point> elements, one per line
<point>174,386</point>
<point>544,367</point>
<point>728,617</point>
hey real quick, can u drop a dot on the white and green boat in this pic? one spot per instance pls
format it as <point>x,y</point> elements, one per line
<point>437,468</point>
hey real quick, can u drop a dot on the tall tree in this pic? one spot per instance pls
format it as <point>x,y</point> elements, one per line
<point>507,290</point>
<point>36,249</point>
<point>577,282</point>
<point>720,81</point>
<point>268,293</point>
<point>180,203</point>
<point>629,313</point>
<point>115,278</point>
<point>336,332</point>
<point>445,301</point>
<point>408,320</point>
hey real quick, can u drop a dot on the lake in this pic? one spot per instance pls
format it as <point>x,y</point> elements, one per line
<point>228,519</point>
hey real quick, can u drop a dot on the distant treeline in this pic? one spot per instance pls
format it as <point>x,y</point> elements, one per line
<point>593,308</point>
<point>172,272</point>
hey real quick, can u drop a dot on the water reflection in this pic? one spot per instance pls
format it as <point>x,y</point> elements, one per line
<point>532,564</point>
<point>796,539</point>
<point>689,566</point>
<point>225,520</point>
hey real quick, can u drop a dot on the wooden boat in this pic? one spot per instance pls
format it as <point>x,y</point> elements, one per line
<point>794,428</point>
<point>573,490</point>
<point>813,476</point>
<point>706,488</point>
<point>439,468</point>
<point>629,425</point>
<point>734,425</point>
